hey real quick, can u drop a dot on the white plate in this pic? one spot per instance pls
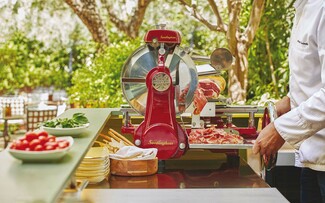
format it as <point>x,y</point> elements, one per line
<point>93,180</point>
<point>41,156</point>
<point>93,167</point>
<point>66,131</point>
<point>99,153</point>
<point>92,174</point>
<point>93,163</point>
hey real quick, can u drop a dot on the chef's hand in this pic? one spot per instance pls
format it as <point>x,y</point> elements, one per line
<point>268,141</point>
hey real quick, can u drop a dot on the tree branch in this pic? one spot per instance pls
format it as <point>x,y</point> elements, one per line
<point>216,12</point>
<point>131,27</point>
<point>234,7</point>
<point>254,20</point>
<point>89,15</point>
<point>120,24</point>
<point>192,9</point>
<point>137,17</point>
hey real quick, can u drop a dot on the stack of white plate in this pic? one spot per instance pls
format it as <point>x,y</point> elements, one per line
<point>95,167</point>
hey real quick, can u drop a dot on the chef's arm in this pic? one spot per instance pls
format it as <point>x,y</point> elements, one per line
<point>309,117</point>
<point>282,106</point>
<point>303,121</point>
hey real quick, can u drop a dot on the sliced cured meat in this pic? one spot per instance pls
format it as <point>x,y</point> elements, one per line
<point>199,101</point>
<point>214,135</point>
<point>181,98</point>
<point>210,88</point>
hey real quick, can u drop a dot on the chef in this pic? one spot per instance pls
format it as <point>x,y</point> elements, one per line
<point>302,111</point>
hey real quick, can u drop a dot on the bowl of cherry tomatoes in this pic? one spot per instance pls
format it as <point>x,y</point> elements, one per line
<point>40,147</point>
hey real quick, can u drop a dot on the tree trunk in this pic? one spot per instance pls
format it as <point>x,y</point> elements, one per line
<point>89,15</point>
<point>238,41</point>
<point>238,74</point>
<point>239,44</point>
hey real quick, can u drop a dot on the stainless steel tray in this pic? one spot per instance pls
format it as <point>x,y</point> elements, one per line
<point>248,144</point>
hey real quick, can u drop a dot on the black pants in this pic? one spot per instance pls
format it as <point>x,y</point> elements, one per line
<point>312,188</point>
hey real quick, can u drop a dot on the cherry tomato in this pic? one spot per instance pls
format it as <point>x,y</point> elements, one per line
<point>43,139</point>
<point>51,138</point>
<point>34,143</point>
<point>42,133</point>
<point>21,145</point>
<point>22,138</point>
<point>13,145</point>
<point>31,136</point>
<point>25,144</point>
<point>50,147</point>
<point>53,144</point>
<point>39,148</point>
<point>63,144</point>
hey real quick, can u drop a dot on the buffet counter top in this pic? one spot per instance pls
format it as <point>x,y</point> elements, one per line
<point>206,195</point>
<point>44,182</point>
<point>221,179</point>
<point>195,171</point>
<point>195,177</point>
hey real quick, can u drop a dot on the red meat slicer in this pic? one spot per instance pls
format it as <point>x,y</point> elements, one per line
<point>152,79</point>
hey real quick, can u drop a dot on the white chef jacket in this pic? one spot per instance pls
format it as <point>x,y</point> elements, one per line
<point>304,126</point>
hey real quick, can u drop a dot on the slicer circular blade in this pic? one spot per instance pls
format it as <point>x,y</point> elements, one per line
<point>182,69</point>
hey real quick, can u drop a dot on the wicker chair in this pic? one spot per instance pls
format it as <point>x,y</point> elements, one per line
<point>36,116</point>
<point>15,116</point>
<point>17,105</point>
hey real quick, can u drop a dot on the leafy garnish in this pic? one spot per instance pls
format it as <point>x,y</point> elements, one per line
<point>78,119</point>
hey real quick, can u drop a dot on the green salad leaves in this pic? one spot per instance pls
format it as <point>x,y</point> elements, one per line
<point>78,119</point>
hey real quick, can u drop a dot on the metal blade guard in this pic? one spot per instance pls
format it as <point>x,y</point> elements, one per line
<point>159,128</point>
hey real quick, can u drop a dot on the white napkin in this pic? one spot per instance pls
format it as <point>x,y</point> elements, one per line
<point>134,153</point>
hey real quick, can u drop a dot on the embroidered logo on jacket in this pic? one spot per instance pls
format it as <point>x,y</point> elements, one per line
<point>303,43</point>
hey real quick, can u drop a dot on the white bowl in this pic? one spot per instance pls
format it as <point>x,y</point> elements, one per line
<point>41,156</point>
<point>66,131</point>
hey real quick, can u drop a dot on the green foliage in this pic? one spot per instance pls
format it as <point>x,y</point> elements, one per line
<point>274,28</point>
<point>77,120</point>
<point>98,84</point>
<point>27,63</point>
